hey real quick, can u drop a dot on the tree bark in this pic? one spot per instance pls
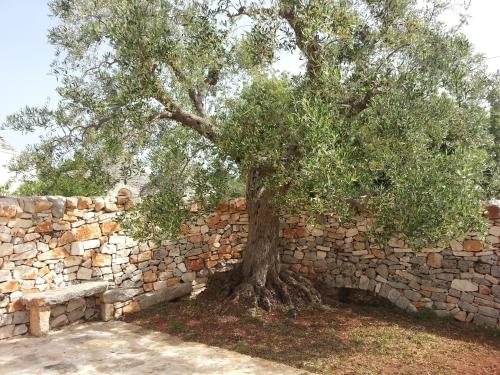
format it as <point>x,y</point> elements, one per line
<point>261,258</point>
<point>258,281</point>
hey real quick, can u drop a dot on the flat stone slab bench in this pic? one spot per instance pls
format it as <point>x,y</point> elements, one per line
<point>39,304</point>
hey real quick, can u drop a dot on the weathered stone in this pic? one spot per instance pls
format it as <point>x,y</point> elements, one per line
<point>76,314</point>
<point>464,285</point>
<point>494,231</point>
<point>120,295</point>
<point>57,310</point>
<point>364,282</point>
<point>149,277</point>
<point>484,320</point>
<point>351,232</point>
<point>163,295</point>
<point>84,273</point>
<point>393,295</point>
<point>495,271</point>
<point>91,244</point>
<point>24,247</point>
<point>340,256</point>
<point>495,289</point>
<point>75,304</point>
<point>25,273</point>
<point>473,245</point>
<point>456,246</point>
<point>61,226</point>
<point>44,227</point>
<point>58,296</point>
<point>402,302</point>
<point>107,311</point>
<point>67,237</point>
<point>58,206</point>
<point>84,203</point>
<point>88,232</point>
<point>20,317</point>
<point>41,204</point>
<point>489,311</point>
<point>21,223</point>
<point>188,277</point>
<point>7,331</point>
<point>110,227</point>
<point>493,211</point>
<point>382,270</point>
<point>466,306</point>
<point>77,249</point>
<point>72,261</point>
<point>59,321</point>
<point>108,249</point>
<point>9,286</point>
<point>39,320</point>
<point>57,253</point>
<point>5,275</point>
<point>6,249</point>
<point>20,329</point>
<point>412,295</point>
<point>396,242</point>
<point>101,260</point>
<point>435,260</point>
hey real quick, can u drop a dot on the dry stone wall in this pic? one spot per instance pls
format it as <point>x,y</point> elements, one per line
<point>51,242</point>
<point>461,279</point>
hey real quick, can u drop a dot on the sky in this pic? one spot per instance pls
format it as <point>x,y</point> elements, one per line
<point>25,54</point>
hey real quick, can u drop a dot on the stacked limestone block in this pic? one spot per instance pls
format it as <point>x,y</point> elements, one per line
<point>73,311</point>
<point>461,279</point>
<point>210,243</point>
<point>51,242</point>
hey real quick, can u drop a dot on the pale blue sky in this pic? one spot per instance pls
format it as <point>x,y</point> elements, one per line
<point>25,55</point>
<point>25,58</point>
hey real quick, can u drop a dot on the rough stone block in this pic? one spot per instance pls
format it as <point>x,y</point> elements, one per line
<point>464,285</point>
<point>7,331</point>
<point>39,320</point>
<point>120,295</point>
<point>484,320</point>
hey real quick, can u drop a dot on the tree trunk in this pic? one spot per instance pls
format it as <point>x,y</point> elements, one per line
<point>258,282</point>
<point>261,260</point>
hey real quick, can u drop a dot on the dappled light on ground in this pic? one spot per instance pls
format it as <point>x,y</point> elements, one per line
<point>345,339</point>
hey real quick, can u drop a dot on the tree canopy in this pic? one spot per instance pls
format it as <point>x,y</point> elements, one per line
<point>388,110</point>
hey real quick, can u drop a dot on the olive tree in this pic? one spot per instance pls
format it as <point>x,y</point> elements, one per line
<point>387,114</point>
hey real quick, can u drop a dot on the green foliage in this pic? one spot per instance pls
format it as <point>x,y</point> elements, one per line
<point>388,110</point>
<point>5,188</point>
<point>79,175</point>
<point>183,169</point>
<point>177,327</point>
<point>494,172</point>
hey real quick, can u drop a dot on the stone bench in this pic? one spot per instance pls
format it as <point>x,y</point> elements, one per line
<point>39,304</point>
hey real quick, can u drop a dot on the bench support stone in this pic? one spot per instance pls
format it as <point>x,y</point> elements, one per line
<point>39,320</point>
<point>107,311</point>
<point>40,303</point>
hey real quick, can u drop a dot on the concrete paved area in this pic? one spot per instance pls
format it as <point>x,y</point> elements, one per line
<point>123,348</point>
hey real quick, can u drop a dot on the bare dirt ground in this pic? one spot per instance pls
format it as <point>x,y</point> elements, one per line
<point>343,339</point>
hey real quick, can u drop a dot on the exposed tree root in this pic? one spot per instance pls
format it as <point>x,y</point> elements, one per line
<point>281,291</point>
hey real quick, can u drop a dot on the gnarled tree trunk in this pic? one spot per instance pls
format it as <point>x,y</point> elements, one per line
<point>258,281</point>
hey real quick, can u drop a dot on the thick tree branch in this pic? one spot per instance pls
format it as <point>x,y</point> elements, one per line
<point>201,125</point>
<point>357,105</point>
<point>310,48</point>
<point>197,95</point>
